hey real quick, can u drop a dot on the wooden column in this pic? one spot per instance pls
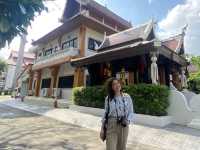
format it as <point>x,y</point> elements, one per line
<point>82,37</point>
<point>176,80</point>
<point>79,75</point>
<point>54,75</point>
<point>38,81</point>
<point>131,77</point>
<point>30,83</point>
<point>162,78</point>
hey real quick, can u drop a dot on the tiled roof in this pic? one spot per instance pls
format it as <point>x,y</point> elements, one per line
<point>98,7</point>
<point>108,12</point>
<point>139,33</point>
<point>28,58</point>
<point>26,54</point>
<point>174,43</point>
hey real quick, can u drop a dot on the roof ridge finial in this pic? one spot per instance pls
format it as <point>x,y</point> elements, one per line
<point>184,29</point>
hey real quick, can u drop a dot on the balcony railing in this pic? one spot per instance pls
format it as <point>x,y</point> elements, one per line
<point>58,54</point>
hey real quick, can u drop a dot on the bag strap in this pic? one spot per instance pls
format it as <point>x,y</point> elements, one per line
<point>108,109</point>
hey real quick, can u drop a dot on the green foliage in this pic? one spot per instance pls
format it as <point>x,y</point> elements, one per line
<point>147,98</point>
<point>196,61</point>
<point>194,82</point>
<point>15,16</point>
<point>194,79</point>
<point>89,97</point>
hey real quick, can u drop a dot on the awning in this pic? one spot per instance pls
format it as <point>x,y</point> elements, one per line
<point>127,51</point>
<point>130,50</point>
<point>51,62</point>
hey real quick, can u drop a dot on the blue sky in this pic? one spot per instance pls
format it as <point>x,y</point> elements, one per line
<point>140,11</point>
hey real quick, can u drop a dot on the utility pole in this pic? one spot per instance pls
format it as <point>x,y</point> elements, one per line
<point>20,58</point>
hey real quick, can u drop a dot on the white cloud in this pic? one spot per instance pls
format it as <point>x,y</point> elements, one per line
<point>180,15</point>
<point>42,24</point>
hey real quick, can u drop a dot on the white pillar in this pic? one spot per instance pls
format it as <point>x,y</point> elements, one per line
<point>20,58</point>
<point>154,69</point>
<point>183,78</point>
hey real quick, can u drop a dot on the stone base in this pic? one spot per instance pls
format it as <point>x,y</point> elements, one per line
<point>195,123</point>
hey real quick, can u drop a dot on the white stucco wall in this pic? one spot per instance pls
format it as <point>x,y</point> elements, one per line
<point>71,35</point>
<point>66,94</point>
<point>92,34</point>
<point>66,70</point>
<point>65,37</point>
<point>46,73</point>
<point>9,76</point>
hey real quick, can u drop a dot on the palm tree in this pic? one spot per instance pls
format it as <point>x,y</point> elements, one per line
<point>16,16</point>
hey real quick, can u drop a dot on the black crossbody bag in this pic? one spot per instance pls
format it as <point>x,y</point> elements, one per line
<point>105,125</point>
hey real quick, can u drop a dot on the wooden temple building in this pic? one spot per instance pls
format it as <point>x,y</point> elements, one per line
<point>92,44</point>
<point>135,56</point>
<point>82,29</point>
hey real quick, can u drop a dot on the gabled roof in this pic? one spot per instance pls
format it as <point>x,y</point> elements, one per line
<point>73,23</point>
<point>139,33</point>
<point>91,4</point>
<point>175,43</point>
<point>28,55</point>
<point>27,59</point>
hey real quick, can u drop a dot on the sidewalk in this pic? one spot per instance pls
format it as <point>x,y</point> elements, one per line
<point>172,137</point>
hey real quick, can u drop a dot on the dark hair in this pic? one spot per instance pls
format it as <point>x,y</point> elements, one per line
<point>109,89</point>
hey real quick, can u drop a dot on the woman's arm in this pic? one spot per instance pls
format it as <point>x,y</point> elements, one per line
<point>130,110</point>
<point>105,110</point>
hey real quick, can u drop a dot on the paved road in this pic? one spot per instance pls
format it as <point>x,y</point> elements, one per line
<point>20,130</point>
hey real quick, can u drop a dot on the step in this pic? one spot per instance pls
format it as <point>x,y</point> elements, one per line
<point>42,101</point>
<point>195,123</point>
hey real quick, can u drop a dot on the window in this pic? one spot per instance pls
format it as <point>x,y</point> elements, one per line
<point>40,54</point>
<point>48,52</point>
<point>56,49</point>
<point>46,83</point>
<point>66,82</point>
<point>93,44</point>
<point>70,43</point>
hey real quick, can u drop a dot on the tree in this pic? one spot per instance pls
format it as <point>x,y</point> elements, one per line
<point>196,61</point>
<point>194,79</point>
<point>3,66</point>
<point>16,16</point>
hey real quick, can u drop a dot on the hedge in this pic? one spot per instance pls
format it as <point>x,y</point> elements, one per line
<point>194,82</point>
<point>147,98</point>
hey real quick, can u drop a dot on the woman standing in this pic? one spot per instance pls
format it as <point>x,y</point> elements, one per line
<point>118,115</point>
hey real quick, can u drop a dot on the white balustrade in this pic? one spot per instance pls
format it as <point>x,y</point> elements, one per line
<point>58,54</point>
